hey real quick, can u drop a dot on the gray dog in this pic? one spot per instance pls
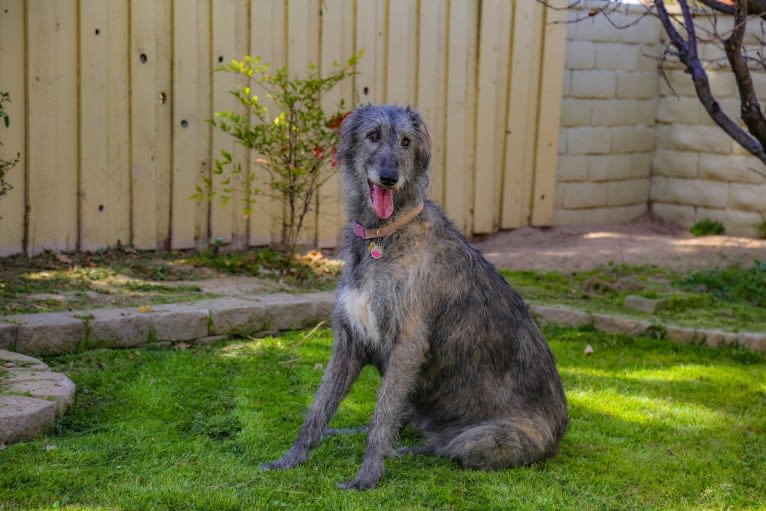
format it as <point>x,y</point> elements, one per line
<point>459,355</point>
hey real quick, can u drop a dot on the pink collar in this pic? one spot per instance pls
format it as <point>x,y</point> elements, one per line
<point>368,234</point>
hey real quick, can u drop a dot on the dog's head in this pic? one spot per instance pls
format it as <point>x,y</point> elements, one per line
<point>385,151</point>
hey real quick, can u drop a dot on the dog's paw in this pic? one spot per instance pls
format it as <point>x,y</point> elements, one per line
<point>280,464</point>
<point>358,484</point>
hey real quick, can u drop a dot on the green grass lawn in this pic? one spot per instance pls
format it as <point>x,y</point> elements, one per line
<point>653,426</point>
<point>730,298</point>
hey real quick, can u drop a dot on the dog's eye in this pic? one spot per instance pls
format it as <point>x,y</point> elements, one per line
<point>405,142</point>
<point>373,136</point>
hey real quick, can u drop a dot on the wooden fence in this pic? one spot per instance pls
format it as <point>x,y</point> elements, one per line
<point>110,99</point>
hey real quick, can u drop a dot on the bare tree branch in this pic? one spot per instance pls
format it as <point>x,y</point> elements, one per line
<point>750,108</point>
<point>687,54</point>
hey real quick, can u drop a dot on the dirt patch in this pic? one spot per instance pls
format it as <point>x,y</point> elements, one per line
<point>646,240</point>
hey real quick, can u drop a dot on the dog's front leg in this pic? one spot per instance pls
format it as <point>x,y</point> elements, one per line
<point>391,409</point>
<point>342,370</point>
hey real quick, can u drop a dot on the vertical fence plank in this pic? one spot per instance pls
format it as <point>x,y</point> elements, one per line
<point>191,110</point>
<point>268,24</point>
<point>104,125</point>
<point>460,133</point>
<point>337,46</point>
<point>402,54</point>
<point>52,48</point>
<point>151,122</point>
<point>230,41</point>
<point>522,114</point>
<point>551,81</point>
<point>370,31</point>
<point>304,49</point>
<point>432,78</point>
<point>12,42</point>
<point>490,124</point>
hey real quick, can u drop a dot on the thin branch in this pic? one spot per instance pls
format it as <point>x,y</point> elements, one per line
<point>750,108</point>
<point>688,56</point>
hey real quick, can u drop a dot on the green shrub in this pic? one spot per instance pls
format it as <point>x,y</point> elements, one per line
<point>295,142</point>
<point>707,227</point>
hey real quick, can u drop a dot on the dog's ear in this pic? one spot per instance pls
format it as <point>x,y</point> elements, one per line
<point>423,145</point>
<point>349,134</point>
<point>347,140</point>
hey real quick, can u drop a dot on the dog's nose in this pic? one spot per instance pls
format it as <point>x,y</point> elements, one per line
<point>389,178</point>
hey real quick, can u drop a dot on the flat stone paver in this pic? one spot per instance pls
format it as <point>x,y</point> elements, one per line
<point>31,397</point>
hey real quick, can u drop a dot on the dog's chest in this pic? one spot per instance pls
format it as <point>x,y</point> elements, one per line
<point>360,312</point>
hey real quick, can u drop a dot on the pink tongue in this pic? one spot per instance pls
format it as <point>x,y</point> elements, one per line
<point>382,201</point>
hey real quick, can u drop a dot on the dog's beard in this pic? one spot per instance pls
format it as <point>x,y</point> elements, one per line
<point>382,200</point>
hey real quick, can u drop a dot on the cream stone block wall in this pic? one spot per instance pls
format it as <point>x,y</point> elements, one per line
<point>608,115</point>
<point>632,140</point>
<point>698,171</point>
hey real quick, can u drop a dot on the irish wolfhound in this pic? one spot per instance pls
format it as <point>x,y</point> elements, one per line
<point>459,355</point>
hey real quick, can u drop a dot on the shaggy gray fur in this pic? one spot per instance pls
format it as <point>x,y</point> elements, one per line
<point>459,355</point>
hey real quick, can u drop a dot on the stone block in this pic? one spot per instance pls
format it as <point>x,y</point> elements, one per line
<point>19,362</point>
<point>595,28</point>
<point>684,216</point>
<point>55,387</point>
<point>23,418</point>
<point>632,139</point>
<point>8,332</point>
<point>580,55</point>
<point>288,312</point>
<point>747,197</point>
<point>620,325</point>
<point>647,305</point>
<point>646,30</point>
<point>572,167</point>
<point>49,333</point>
<point>683,335</point>
<point>593,84</point>
<point>559,316</point>
<point>636,85</point>
<point>753,341</point>
<point>733,168</point>
<point>576,112</point>
<point>118,328</point>
<point>625,112</point>
<point>617,56</point>
<point>675,163</point>
<point>607,167</point>
<point>597,216</point>
<point>694,192</point>
<point>230,316</point>
<point>722,83</point>
<point>679,83</point>
<point>680,110</point>
<point>720,338</point>
<point>179,322</point>
<point>586,140</point>
<point>710,139</point>
<point>584,195</point>
<point>630,191</point>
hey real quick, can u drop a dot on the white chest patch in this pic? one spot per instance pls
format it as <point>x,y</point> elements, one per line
<point>360,314</point>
